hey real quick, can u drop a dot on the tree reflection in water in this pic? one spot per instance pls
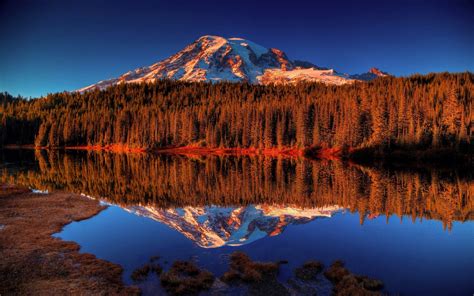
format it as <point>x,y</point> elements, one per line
<point>164,182</point>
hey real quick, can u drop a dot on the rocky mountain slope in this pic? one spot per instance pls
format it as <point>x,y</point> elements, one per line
<point>214,58</point>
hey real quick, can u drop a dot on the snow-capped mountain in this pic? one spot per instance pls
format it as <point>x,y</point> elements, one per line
<point>212,227</point>
<point>214,58</point>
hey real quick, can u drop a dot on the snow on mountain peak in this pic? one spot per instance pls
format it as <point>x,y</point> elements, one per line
<point>257,49</point>
<point>210,37</point>
<point>215,58</point>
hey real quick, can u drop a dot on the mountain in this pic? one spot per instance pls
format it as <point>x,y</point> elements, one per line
<point>214,58</point>
<point>213,227</point>
<point>372,74</point>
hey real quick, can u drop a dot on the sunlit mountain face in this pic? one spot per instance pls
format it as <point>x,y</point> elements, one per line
<point>213,226</point>
<point>215,59</point>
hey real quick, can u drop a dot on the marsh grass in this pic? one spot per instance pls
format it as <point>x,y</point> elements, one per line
<point>243,268</point>
<point>185,278</point>
<point>34,262</point>
<point>309,270</point>
<point>260,276</point>
<point>141,273</point>
<point>347,283</point>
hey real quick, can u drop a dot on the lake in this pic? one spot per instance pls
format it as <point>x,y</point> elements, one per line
<point>412,229</point>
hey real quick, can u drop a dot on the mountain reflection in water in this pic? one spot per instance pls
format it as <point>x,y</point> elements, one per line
<point>213,227</point>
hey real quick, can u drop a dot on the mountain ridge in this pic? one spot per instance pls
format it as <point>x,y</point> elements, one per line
<point>214,58</point>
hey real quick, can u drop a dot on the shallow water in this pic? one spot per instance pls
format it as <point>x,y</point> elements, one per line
<point>412,230</point>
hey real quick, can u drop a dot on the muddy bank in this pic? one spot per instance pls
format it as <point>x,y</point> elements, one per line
<point>34,262</point>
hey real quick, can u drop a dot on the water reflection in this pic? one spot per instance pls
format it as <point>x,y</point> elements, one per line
<point>270,208</point>
<point>158,184</point>
<point>213,227</point>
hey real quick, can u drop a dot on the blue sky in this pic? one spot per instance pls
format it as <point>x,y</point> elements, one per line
<point>49,46</point>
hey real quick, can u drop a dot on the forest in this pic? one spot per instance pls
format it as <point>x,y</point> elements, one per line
<point>420,112</point>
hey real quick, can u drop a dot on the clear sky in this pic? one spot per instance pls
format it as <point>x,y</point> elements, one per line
<point>55,45</point>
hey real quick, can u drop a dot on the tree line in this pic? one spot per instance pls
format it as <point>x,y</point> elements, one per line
<point>420,111</point>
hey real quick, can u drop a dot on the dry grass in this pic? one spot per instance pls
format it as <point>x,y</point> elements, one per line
<point>309,270</point>
<point>185,278</point>
<point>141,273</point>
<point>33,262</point>
<point>261,276</point>
<point>347,283</point>
<point>243,268</point>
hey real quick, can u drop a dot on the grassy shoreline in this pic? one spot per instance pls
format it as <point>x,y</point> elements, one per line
<point>34,262</point>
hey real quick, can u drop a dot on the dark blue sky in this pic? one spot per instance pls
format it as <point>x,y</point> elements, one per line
<point>49,46</point>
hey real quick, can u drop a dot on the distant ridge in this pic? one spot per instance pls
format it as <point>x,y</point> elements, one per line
<point>372,74</point>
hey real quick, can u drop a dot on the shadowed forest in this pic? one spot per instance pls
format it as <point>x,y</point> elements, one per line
<point>426,113</point>
<point>170,181</point>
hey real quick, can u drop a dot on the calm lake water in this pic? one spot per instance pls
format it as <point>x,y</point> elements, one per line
<point>411,229</point>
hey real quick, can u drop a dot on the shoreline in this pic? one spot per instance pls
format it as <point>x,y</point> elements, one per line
<point>111,148</point>
<point>35,262</point>
<point>324,153</point>
<point>404,157</point>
